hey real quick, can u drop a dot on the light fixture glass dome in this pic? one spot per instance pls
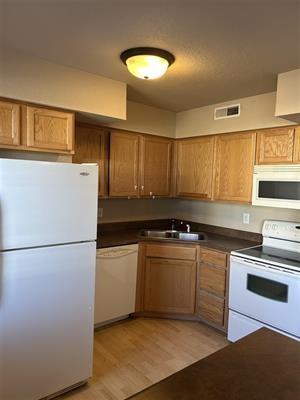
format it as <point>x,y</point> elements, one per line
<point>147,62</point>
<point>147,67</point>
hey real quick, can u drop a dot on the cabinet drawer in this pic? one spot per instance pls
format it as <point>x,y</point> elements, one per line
<point>212,278</point>
<point>173,252</point>
<point>213,257</point>
<point>210,308</point>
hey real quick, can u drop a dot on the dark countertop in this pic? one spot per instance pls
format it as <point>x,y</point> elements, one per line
<point>263,366</point>
<point>118,238</point>
<point>214,240</point>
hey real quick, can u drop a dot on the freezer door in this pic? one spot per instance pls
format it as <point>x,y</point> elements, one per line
<point>46,319</point>
<point>44,203</point>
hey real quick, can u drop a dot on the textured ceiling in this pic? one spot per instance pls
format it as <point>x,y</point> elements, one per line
<point>224,49</point>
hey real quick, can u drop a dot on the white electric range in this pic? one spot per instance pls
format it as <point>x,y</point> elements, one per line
<point>264,284</point>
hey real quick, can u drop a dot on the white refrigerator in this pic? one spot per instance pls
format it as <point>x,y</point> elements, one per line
<point>48,228</point>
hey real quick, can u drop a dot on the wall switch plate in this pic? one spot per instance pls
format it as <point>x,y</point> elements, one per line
<point>100,212</point>
<point>246,218</point>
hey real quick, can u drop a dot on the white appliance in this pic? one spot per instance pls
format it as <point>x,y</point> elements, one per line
<point>116,271</point>
<point>48,229</point>
<point>276,186</point>
<point>264,284</point>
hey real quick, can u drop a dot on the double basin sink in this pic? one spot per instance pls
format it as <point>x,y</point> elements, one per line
<point>174,235</point>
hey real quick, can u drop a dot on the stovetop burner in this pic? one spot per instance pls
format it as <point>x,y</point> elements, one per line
<point>272,255</point>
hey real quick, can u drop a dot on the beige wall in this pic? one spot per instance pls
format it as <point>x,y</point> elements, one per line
<point>30,79</point>
<point>256,112</point>
<point>146,119</point>
<point>231,215</point>
<point>115,210</point>
<point>288,94</point>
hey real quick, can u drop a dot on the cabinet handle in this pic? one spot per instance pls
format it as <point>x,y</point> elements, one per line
<point>142,187</point>
<point>150,193</point>
<point>135,187</point>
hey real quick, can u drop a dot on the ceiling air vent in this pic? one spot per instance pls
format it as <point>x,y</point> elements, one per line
<point>227,112</point>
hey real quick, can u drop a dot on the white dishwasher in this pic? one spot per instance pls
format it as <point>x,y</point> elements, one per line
<point>116,271</point>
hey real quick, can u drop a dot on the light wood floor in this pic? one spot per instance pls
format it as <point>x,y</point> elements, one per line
<point>135,354</point>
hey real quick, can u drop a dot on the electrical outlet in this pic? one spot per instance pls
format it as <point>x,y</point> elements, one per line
<point>100,212</point>
<point>246,218</point>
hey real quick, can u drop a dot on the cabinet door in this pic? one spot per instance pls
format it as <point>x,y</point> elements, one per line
<point>210,308</point>
<point>123,164</point>
<point>234,166</point>
<point>155,166</point>
<point>9,123</point>
<point>170,286</point>
<point>296,157</point>
<point>212,279</point>
<point>91,146</point>
<point>195,167</point>
<point>275,146</point>
<point>49,130</point>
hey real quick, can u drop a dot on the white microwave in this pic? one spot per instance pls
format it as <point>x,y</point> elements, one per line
<point>276,186</point>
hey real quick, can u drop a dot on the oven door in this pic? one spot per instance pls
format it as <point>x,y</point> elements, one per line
<point>265,293</point>
<point>276,186</point>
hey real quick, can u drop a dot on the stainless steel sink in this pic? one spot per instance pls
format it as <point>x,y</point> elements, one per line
<point>168,234</point>
<point>190,236</point>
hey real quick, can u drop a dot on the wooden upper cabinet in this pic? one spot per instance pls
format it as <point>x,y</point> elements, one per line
<point>9,124</point>
<point>234,160</point>
<point>123,164</point>
<point>296,156</point>
<point>48,129</point>
<point>155,166</point>
<point>91,146</point>
<point>195,167</point>
<point>275,146</point>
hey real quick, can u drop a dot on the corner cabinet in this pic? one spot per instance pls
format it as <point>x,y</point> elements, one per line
<point>9,124</point>
<point>91,146</point>
<point>234,161</point>
<point>184,281</point>
<point>166,279</point>
<point>139,165</point>
<point>195,167</point>
<point>31,128</point>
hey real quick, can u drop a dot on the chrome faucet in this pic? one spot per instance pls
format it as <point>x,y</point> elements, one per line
<point>173,225</point>
<point>188,226</point>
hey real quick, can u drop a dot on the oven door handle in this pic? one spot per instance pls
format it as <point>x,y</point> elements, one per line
<point>266,267</point>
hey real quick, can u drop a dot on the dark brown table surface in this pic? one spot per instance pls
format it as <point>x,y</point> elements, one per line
<point>263,366</point>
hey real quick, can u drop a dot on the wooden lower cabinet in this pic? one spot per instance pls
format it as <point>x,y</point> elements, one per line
<point>170,286</point>
<point>182,281</point>
<point>210,308</point>
<point>212,288</point>
<point>166,282</point>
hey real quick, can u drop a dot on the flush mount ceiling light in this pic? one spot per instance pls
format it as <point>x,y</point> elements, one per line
<point>147,62</point>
